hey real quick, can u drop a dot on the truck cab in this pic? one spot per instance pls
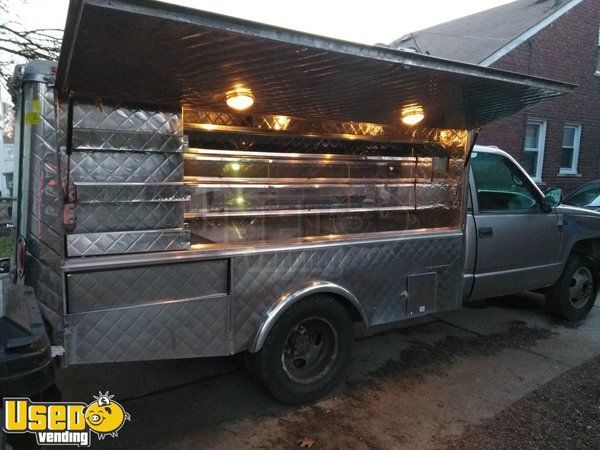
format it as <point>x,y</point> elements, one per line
<point>520,239</point>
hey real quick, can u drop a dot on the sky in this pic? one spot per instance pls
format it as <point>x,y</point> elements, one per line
<point>366,21</point>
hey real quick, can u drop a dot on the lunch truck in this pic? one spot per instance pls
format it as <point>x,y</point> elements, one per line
<point>196,185</point>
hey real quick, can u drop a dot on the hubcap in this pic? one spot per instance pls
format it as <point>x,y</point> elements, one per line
<point>310,350</point>
<point>581,287</point>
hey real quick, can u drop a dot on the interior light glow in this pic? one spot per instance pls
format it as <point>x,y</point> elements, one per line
<point>240,98</point>
<point>281,123</point>
<point>412,114</point>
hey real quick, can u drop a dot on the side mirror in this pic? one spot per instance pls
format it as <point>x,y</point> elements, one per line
<point>553,196</point>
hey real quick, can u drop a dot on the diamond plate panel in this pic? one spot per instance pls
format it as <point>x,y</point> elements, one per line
<point>127,242</point>
<point>126,167</point>
<point>101,117</point>
<point>110,140</point>
<point>374,273</point>
<point>108,289</point>
<point>131,193</point>
<point>106,217</point>
<point>184,329</point>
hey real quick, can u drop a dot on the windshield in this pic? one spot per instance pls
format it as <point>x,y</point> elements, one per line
<point>588,197</point>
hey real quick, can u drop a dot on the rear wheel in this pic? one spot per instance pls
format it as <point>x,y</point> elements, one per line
<point>306,352</point>
<point>574,294</point>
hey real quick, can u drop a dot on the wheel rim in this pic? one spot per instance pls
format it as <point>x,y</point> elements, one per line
<point>581,287</point>
<point>310,350</point>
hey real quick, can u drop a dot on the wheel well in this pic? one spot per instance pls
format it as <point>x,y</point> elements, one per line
<point>589,248</point>
<point>355,314</point>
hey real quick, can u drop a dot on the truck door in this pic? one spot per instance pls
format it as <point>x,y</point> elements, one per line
<point>518,237</point>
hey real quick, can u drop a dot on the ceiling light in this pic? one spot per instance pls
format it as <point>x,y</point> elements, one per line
<point>412,114</point>
<point>240,98</point>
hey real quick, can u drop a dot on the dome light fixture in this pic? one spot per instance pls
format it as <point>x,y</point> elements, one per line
<point>412,114</point>
<point>240,98</point>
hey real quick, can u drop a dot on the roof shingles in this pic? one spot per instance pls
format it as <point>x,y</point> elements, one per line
<point>475,37</point>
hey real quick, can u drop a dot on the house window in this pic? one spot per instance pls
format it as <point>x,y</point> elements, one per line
<point>533,151</point>
<point>570,149</point>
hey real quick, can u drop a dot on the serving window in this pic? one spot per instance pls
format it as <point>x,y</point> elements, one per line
<point>268,191</point>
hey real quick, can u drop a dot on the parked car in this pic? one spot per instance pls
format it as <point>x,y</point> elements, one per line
<point>586,196</point>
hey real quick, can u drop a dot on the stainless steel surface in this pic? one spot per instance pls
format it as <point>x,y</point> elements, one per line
<point>127,170</point>
<point>126,121</point>
<point>101,217</point>
<point>136,286</point>
<point>208,252</point>
<point>421,294</point>
<point>110,140</point>
<point>150,323</point>
<point>201,120</point>
<point>41,196</point>
<point>299,212</point>
<point>126,167</point>
<point>177,329</point>
<point>287,299</point>
<point>257,199</point>
<point>110,243</point>
<point>130,192</point>
<point>376,274</point>
<point>290,73</point>
<point>230,155</point>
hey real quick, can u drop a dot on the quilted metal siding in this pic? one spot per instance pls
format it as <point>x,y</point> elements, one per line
<point>44,234</point>
<point>112,243</point>
<point>127,168</point>
<point>111,140</point>
<point>155,312</point>
<point>183,329</point>
<point>126,314</point>
<point>96,218</point>
<point>131,193</point>
<point>103,117</point>
<point>107,289</point>
<point>374,273</point>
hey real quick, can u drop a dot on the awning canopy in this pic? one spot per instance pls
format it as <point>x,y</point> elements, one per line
<point>151,53</point>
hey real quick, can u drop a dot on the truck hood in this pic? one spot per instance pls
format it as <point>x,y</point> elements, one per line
<point>576,210</point>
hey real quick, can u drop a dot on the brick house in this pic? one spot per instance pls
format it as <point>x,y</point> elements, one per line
<point>557,142</point>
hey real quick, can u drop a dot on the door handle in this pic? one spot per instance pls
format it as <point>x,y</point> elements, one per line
<point>486,232</point>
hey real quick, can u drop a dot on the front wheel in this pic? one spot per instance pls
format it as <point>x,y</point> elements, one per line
<point>306,352</point>
<point>574,294</point>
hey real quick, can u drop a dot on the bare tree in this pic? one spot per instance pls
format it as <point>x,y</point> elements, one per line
<point>19,44</point>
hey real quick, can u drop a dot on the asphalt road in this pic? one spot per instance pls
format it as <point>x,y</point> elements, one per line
<point>428,385</point>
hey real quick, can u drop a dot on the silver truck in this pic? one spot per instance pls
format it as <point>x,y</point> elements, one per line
<point>519,239</point>
<point>195,185</point>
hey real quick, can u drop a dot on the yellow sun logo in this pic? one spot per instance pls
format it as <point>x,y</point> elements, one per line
<point>105,416</point>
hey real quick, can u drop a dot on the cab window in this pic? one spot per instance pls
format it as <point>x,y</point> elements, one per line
<point>500,185</point>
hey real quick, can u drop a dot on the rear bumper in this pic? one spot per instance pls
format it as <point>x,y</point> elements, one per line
<point>26,363</point>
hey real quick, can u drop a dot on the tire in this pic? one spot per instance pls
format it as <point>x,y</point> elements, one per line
<point>306,352</point>
<point>574,294</point>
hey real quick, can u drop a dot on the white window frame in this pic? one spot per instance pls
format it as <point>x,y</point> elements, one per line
<point>542,124</point>
<point>576,144</point>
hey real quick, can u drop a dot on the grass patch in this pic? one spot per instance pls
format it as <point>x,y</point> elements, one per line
<point>6,245</point>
